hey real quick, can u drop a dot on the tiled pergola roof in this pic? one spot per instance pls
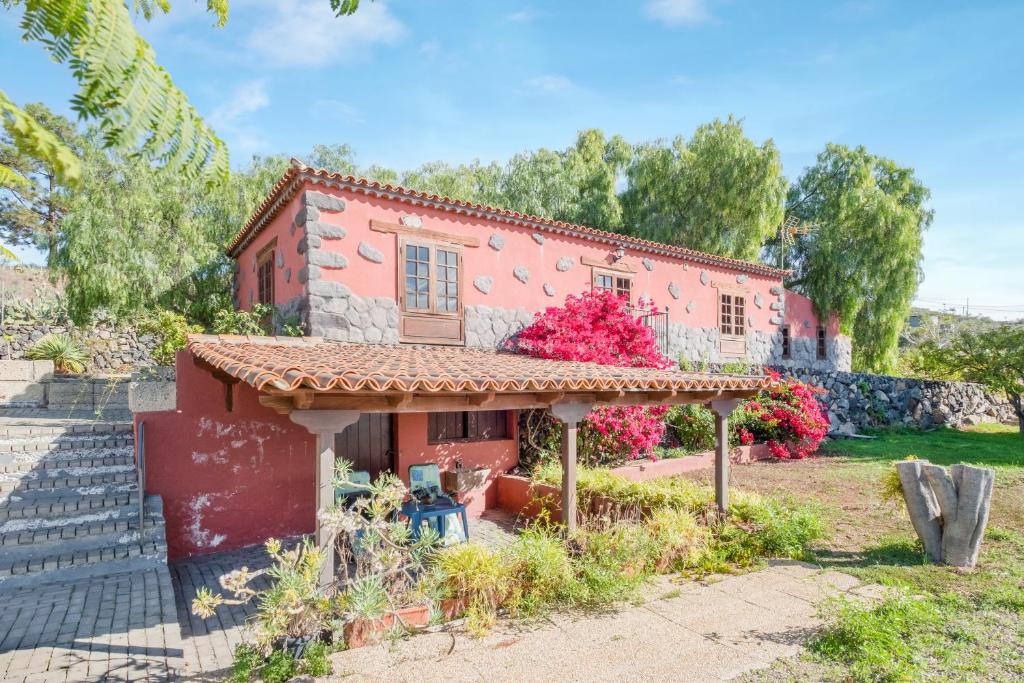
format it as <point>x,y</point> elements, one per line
<point>288,364</point>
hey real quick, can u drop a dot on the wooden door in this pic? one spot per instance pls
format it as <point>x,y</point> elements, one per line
<point>368,444</point>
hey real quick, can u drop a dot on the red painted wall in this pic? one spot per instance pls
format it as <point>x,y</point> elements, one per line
<point>286,275</point>
<point>227,479</point>
<point>499,455</point>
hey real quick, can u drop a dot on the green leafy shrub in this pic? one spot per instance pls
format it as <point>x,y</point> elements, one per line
<point>680,539</point>
<point>543,571</point>
<point>878,642</point>
<point>280,667</point>
<point>692,426</point>
<point>611,563</point>
<point>67,354</point>
<point>255,321</point>
<point>768,527</point>
<point>475,575</point>
<point>247,661</point>
<point>171,330</point>
<point>673,492</point>
<point>314,660</point>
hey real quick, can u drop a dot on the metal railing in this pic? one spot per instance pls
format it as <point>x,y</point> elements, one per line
<point>656,321</point>
<point>140,468</point>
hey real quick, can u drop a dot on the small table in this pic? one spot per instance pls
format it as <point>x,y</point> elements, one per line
<point>434,514</point>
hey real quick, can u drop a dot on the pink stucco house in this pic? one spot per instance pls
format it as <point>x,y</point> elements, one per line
<point>404,298</point>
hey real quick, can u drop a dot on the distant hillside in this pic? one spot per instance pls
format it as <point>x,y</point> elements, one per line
<point>925,324</point>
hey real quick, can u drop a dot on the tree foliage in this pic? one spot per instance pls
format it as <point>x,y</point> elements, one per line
<point>32,205</point>
<point>993,357</point>
<point>121,87</point>
<point>134,239</point>
<point>720,192</point>
<point>862,260</point>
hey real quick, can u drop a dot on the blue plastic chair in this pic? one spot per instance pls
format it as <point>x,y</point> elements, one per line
<point>348,494</point>
<point>429,502</point>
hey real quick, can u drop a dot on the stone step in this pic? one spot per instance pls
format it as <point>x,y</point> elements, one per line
<point>21,531</point>
<point>89,549</point>
<point>26,540</point>
<point>18,483</point>
<point>48,443</point>
<point>146,558</point>
<point>61,503</point>
<point>21,428</point>
<point>99,457</point>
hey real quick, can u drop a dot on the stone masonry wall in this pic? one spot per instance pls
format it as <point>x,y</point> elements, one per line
<point>858,400</point>
<point>111,349</point>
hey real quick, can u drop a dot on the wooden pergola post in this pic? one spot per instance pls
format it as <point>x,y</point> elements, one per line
<point>722,409</point>
<point>324,424</point>
<point>570,415</point>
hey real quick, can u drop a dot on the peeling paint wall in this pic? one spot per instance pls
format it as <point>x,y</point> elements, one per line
<point>227,479</point>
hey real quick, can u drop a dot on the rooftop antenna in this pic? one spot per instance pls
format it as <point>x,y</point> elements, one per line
<point>788,231</point>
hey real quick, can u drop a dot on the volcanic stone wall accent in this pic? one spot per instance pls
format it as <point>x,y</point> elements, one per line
<point>701,345</point>
<point>333,312</point>
<point>489,327</point>
<point>858,400</point>
<point>110,348</point>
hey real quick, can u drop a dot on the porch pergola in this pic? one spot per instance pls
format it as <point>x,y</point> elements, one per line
<point>325,386</point>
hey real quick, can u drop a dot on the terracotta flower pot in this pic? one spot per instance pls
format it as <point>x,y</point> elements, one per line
<point>363,631</point>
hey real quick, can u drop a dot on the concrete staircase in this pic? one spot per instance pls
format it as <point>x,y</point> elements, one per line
<point>69,501</point>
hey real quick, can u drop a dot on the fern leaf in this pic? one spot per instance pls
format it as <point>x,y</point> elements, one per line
<point>34,139</point>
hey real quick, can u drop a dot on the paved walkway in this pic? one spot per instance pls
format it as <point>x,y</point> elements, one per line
<point>118,628</point>
<point>693,632</point>
<point>209,644</point>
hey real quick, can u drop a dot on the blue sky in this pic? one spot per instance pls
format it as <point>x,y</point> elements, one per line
<point>933,85</point>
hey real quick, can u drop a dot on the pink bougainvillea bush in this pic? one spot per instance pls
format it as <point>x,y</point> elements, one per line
<point>787,417</point>
<point>597,327</point>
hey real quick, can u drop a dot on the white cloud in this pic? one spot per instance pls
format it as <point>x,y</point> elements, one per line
<point>549,83</point>
<point>677,12</point>
<point>335,110</point>
<point>245,98</point>
<point>522,16</point>
<point>229,119</point>
<point>306,33</point>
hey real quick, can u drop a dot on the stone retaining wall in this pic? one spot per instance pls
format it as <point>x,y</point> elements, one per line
<point>858,400</point>
<point>111,349</point>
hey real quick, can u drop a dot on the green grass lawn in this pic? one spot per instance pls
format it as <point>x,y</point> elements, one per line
<point>954,626</point>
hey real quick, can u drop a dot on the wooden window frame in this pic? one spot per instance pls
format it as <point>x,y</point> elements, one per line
<point>469,416</point>
<point>742,317</point>
<point>787,342</point>
<point>821,343</point>
<point>616,276</point>
<point>265,259</point>
<point>424,316</point>
<point>732,345</point>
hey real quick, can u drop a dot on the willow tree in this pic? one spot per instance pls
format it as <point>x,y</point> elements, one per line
<point>576,185</point>
<point>719,192</point>
<point>134,239</point>
<point>862,259</point>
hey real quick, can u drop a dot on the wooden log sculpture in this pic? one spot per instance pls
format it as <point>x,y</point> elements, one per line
<point>949,510</point>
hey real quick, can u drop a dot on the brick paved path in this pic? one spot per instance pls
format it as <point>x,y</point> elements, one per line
<point>209,644</point>
<point>116,628</point>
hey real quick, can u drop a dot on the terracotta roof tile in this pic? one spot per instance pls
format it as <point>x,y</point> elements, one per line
<point>288,363</point>
<point>291,182</point>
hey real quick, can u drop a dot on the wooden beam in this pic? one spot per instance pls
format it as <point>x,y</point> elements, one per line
<point>303,399</point>
<point>434,403</point>
<point>399,229</point>
<point>482,400</point>
<point>400,401</point>
<point>602,263</point>
<point>280,404</point>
